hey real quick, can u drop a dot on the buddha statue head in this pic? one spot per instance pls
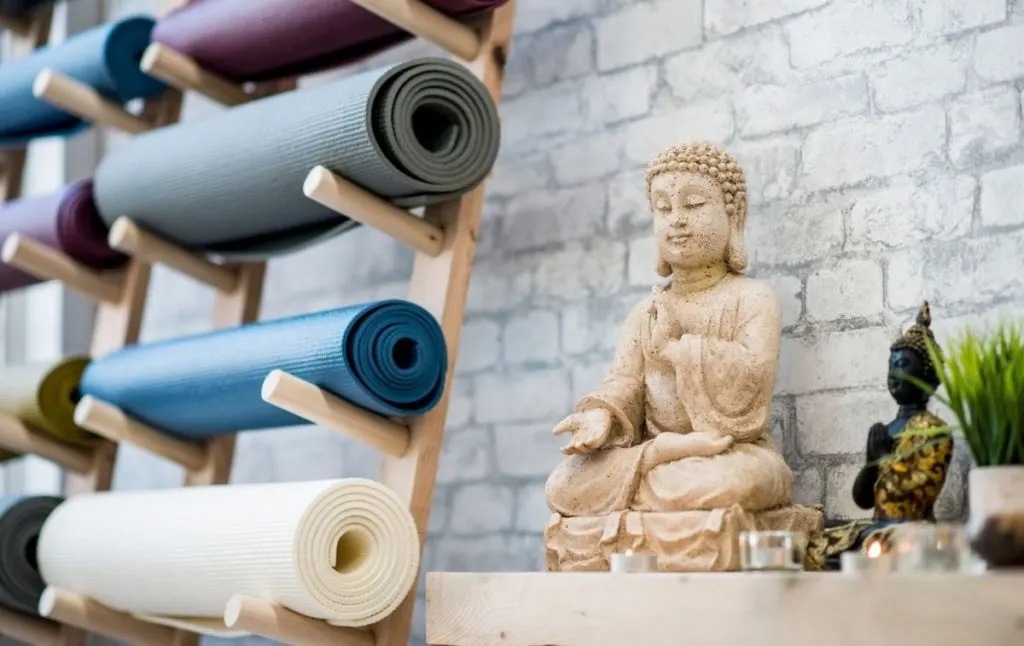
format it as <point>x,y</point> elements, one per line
<point>698,196</point>
<point>909,355</point>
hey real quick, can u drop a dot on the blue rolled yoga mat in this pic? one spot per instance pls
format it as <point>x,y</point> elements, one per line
<point>388,357</point>
<point>106,58</point>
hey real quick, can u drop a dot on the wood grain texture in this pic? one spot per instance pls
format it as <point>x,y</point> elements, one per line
<point>723,609</point>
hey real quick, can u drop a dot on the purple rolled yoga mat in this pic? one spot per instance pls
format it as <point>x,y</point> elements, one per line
<point>257,40</point>
<point>67,221</point>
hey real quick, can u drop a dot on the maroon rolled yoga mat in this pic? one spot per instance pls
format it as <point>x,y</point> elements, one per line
<point>258,40</point>
<point>67,221</point>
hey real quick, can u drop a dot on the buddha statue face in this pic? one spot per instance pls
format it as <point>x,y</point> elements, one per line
<point>690,221</point>
<point>697,195</point>
<point>909,357</point>
<point>904,362</point>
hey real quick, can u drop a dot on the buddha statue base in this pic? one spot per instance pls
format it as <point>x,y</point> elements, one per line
<point>685,541</point>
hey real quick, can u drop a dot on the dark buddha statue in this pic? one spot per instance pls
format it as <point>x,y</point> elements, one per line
<point>906,460</point>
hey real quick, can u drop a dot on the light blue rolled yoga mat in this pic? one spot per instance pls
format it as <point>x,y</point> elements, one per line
<point>388,357</point>
<point>106,58</point>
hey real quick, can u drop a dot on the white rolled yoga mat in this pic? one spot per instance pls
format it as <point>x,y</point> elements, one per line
<point>345,551</point>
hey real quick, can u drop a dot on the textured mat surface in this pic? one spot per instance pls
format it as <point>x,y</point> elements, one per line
<point>21,518</point>
<point>267,39</point>
<point>345,551</point>
<point>419,132</point>
<point>386,356</point>
<point>42,396</point>
<point>67,221</point>
<point>106,58</point>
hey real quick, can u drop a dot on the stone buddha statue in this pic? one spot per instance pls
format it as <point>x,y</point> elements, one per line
<point>906,460</point>
<point>672,454</point>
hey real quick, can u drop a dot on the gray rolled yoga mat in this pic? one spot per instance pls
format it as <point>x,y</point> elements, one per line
<point>230,184</point>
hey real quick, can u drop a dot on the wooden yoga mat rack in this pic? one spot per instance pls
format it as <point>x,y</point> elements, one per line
<point>444,240</point>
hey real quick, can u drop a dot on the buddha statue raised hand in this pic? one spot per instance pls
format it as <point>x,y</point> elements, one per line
<point>673,452</point>
<point>906,460</point>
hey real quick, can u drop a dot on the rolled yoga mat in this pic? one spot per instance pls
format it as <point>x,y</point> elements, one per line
<point>67,221</point>
<point>415,133</point>
<point>346,551</point>
<point>43,396</point>
<point>21,519</point>
<point>388,357</point>
<point>253,40</point>
<point>106,58</point>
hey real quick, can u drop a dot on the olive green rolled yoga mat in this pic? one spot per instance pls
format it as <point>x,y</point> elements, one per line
<point>230,184</point>
<point>43,396</point>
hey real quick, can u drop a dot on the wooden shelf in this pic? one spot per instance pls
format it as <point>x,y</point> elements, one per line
<point>723,609</point>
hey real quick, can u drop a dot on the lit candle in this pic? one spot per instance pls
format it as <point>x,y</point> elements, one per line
<point>871,561</point>
<point>772,550</point>
<point>629,562</point>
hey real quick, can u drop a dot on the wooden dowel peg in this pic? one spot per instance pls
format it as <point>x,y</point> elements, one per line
<point>43,262</point>
<point>428,23</point>
<point>87,614</point>
<point>15,436</point>
<point>310,402</point>
<point>29,630</point>
<point>184,73</point>
<point>114,424</point>
<point>83,101</point>
<point>340,195</point>
<point>283,625</point>
<point>130,238</point>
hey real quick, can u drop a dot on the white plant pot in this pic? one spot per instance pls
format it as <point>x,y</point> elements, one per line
<point>994,490</point>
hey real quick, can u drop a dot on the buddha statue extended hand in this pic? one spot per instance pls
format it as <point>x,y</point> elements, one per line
<point>589,430</point>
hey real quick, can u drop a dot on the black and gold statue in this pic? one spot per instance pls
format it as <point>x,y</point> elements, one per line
<point>906,460</point>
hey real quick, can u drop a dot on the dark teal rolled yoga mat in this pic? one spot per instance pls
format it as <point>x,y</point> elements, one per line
<point>106,58</point>
<point>21,519</point>
<point>230,184</point>
<point>388,357</point>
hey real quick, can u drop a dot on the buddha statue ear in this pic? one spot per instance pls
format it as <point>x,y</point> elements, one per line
<point>736,250</point>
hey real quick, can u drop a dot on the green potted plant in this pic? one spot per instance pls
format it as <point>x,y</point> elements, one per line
<point>982,375</point>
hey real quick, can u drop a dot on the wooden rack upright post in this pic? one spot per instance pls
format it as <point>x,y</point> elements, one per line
<point>445,244</point>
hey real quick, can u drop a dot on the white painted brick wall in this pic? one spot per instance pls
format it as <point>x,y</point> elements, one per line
<point>883,145</point>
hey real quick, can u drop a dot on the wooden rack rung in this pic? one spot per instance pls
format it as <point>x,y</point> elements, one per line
<point>129,238</point>
<point>429,24</point>
<point>348,199</point>
<point>309,401</point>
<point>16,437</point>
<point>46,263</point>
<point>275,622</point>
<point>184,73</point>
<point>114,424</point>
<point>92,616</point>
<point>84,102</point>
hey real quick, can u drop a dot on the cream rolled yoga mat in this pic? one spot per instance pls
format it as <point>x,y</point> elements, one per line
<point>346,551</point>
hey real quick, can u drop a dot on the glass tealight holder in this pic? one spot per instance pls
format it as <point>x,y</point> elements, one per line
<point>931,547</point>
<point>772,551</point>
